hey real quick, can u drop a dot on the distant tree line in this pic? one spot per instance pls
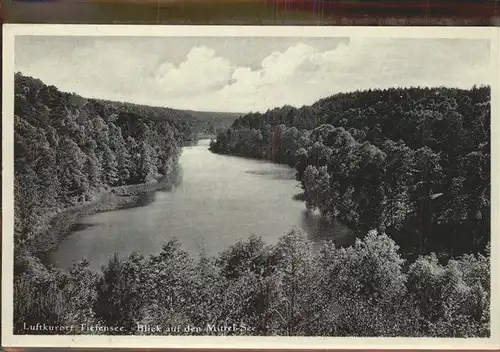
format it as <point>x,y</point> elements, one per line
<point>413,163</point>
<point>67,149</point>
<point>285,289</point>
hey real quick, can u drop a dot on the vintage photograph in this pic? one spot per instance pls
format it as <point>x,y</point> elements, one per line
<point>251,185</point>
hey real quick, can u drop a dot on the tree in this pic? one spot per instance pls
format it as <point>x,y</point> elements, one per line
<point>453,300</point>
<point>428,182</point>
<point>110,167</point>
<point>70,161</point>
<point>317,192</point>
<point>364,288</point>
<point>298,298</point>
<point>93,172</point>
<point>119,301</point>
<point>170,286</point>
<point>146,163</point>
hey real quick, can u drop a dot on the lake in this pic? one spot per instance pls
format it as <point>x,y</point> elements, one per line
<point>222,199</point>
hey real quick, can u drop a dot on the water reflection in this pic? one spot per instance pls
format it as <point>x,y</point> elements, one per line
<point>80,226</point>
<point>276,174</point>
<point>323,230</point>
<point>222,200</point>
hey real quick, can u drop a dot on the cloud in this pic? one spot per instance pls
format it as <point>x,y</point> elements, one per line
<point>200,73</point>
<point>298,75</point>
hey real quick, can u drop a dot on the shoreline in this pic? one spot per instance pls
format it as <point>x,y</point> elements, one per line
<point>61,224</point>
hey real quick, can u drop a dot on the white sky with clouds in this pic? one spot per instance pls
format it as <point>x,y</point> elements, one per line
<point>246,74</point>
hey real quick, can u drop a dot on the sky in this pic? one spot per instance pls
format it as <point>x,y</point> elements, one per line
<point>246,74</point>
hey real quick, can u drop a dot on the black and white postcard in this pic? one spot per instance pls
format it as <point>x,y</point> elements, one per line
<point>265,187</point>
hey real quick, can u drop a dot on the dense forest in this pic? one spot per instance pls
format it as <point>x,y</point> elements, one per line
<point>69,149</point>
<point>412,163</point>
<point>406,168</point>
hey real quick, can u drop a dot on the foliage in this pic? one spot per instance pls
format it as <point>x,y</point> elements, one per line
<point>406,166</point>
<point>413,162</point>
<point>53,297</point>
<point>289,288</point>
<point>68,149</point>
<point>453,300</point>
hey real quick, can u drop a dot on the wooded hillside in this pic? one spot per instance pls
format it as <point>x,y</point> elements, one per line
<point>414,163</point>
<point>68,149</point>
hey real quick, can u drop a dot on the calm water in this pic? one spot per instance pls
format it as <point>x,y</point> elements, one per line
<point>222,199</point>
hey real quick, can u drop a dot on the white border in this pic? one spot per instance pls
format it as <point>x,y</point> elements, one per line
<point>8,339</point>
